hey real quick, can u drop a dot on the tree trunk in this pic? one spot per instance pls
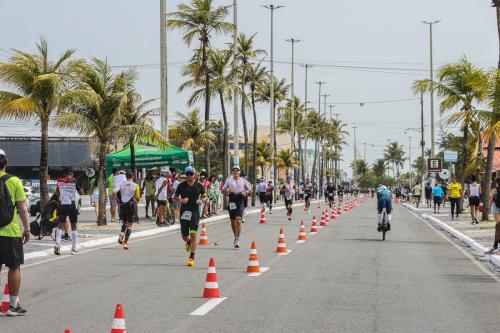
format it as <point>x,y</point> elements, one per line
<point>44,165</point>
<point>301,159</point>
<point>313,172</point>
<point>225,135</point>
<point>101,218</point>
<point>132,158</point>
<point>245,129</point>
<point>207,99</point>
<point>254,151</point>
<point>465,153</point>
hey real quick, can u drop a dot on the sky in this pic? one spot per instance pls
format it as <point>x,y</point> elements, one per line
<point>365,51</point>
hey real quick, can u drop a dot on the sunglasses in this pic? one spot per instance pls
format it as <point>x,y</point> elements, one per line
<point>189,173</point>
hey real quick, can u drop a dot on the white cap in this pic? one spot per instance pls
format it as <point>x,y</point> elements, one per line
<point>2,153</point>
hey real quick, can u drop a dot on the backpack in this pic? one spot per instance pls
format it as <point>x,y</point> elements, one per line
<point>6,205</point>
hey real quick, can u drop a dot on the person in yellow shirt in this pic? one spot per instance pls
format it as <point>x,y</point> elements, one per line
<point>455,193</point>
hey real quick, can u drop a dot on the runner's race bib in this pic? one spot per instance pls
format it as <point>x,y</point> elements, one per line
<point>232,206</point>
<point>187,215</point>
<point>330,194</point>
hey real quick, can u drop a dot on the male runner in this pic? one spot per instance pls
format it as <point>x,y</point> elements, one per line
<point>128,199</point>
<point>340,193</point>
<point>189,194</point>
<point>237,189</point>
<point>261,190</point>
<point>308,192</point>
<point>269,196</point>
<point>67,188</point>
<point>289,192</point>
<point>330,193</point>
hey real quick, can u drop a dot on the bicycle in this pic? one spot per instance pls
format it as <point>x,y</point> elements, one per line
<point>385,225</point>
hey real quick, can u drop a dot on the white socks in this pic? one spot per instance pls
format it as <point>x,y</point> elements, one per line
<point>73,239</point>
<point>58,237</point>
<point>389,216</point>
<point>379,218</point>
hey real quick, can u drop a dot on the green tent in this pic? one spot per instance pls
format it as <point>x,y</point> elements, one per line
<point>147,156</point>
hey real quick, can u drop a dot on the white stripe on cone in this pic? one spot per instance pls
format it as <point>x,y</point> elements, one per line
<point>211,285</point>
<point>118,324</point>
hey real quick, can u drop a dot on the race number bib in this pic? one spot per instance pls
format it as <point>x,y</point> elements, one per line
<point>187,215</point>
<point>330,194</point>
<point>232,206</point>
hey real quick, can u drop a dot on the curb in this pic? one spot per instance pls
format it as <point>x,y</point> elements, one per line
<point>477,248</point>
<point>144,233</point>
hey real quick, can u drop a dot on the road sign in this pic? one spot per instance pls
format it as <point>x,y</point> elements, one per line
<point>444,174</point>
<point>434,165</point>
<point>450,156</point>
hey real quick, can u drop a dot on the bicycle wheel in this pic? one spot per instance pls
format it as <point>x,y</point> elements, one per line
<point>384,224</point>
<point>383,234</point>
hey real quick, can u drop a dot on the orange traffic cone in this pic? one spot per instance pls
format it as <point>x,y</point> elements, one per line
<point>281,243</point>
<point>68,330</point>
<point>253,260</point>
<point>333,214</point>
<point>263,217</point>
<point>211,285</point>
<point>314,227</point>
<point>302,232</point>
<point>322,224</point>
<point>118,325</point>
<point>5,299</point>
<point>203,235</point>
<point>319,205</point>
<point>339,211</point>
<point>327,217</point>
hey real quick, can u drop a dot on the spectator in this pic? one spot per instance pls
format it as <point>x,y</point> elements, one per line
<point>495,204</point>
<point>456,194</point>
<point>437,194</point>
<point>417,191</point>
<point>11,236</point>
<point>94,188</point>
<point>428,194</point>
<point>110,184</point>
<point>474,194</point>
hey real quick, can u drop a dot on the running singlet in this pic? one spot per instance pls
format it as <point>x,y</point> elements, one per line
<point>191,192</point>
<point>289,191</point>
<point>128,190</point>
<point>67,190</point>
<point>163,194</point>
<point>261,187</point>
<point>308,189</point>
<point>331,191</point>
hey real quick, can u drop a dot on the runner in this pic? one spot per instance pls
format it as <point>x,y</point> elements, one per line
<point>261,190</point>
<point>128,199</point>
<point>288,192</point>
<point>148,188</point>
<point>161,197</point>
<point>416,194</point>
<point>269,195</point>
<point>11,237</point>
<point>110,184</point>
<point>66,189</point>
<point>301,192</point>
<point>189,194</point>
<point>340,193</point>
<point>308,191</point>
<point>330,193</point>
<point>237,189</point>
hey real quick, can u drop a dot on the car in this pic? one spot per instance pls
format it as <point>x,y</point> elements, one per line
<point>34,197</point>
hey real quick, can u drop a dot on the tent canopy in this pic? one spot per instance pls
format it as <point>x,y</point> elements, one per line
<point>147,156</point>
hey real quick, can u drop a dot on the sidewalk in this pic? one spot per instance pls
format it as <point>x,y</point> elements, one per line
<point>479,237</point>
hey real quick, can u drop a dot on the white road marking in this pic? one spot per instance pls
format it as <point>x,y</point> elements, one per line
<point>300,241</point>
<point>458,247</point>
<point>262,270</point>
<point>208,306</point>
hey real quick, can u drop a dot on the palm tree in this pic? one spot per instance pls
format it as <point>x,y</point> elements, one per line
<point>138,126</point>
<point>192,133</point>
<point>460,85</point>
<point>100,116</point>
<point>255,75</point>
<point>37,92</point>
<point>285,159</point>
<point>264,154</point>
<point>378,167</point>
<point>314,123</point>
<point>245,52</point>
<point>199,21</point>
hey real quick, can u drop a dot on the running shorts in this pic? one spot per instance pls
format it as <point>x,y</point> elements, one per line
<point>128,212</point>
<point>474,201</point>
<point>11,251</point>
<point>189,221</point>
<point>66,211</point>
<point>438,200</point>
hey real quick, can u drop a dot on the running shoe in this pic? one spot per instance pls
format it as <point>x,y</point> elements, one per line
<point>147,216</point>
<point>57,250</point>
<point>190,262</point>
<point>16,311</point>
<point>236,243</point>
<point>188,247</point>
<point>492,252</point>
<point>74,252</point>
<point>120,238</point>
<point>289,218</point>
<point>125,245</point>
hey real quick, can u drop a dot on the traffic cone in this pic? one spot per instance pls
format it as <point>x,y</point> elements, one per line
<point>118,325</point>
<point>319,205</point>
<point>5,299</point>
<point>211,285</point>
<point>339,211</point>
<point>314,227</point>
<point>68,330</point>
<point>322,224</point>
<point>203,235</point>
<point>253,260</point>
<point>281,243</point>
<point>262,217</point>
<point>327,217</point>
<point>302,232</point>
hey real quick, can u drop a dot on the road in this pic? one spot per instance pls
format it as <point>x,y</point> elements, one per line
<point>344,279</point>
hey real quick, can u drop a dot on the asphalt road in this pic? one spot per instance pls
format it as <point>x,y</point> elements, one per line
<point>344,279</point>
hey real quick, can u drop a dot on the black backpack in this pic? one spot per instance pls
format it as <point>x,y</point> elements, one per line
<point>6,205</point>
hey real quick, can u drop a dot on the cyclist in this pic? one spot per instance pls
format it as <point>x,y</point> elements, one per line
<point>384,199</point>
<point>308,191</point>
<point>330,193</point>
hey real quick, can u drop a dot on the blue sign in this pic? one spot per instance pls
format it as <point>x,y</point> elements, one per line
<point>451,156</point>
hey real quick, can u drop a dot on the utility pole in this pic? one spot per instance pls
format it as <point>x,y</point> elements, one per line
<point>422,141</point>
<point>272,8</point>
<point>319,83</point>
<point>431,69</point>
<point>306,66</point>
<point>409,156</point>
<point>355,153</point>
<point>331,106</point>
<point>292,95</point>
<point>236,118</point>
<point>163,65</point>
<point>324,104</point>
<point>364,152</point>
<point>336,115</point>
